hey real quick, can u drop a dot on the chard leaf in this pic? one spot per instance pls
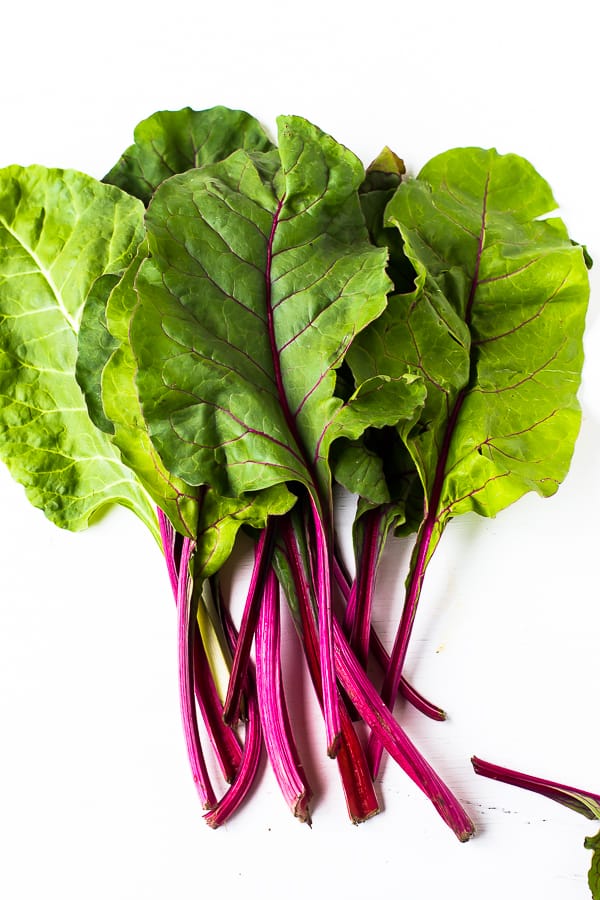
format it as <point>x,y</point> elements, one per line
<point>59,231</point>
<point>362,466</point>
<point>593,843</point>
<point>494,327</point>
<point>170,142</point>
<point>215,521</point>
<point>360,470</point>
<point>95,344</point>
<point>257,282</point>
<point>121,405</point>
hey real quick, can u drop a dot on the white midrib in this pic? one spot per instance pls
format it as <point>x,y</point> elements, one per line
<point>47,276</point>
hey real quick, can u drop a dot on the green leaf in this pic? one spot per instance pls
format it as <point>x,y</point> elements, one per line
<point>121,405</point>
<point>494,327</point>
<point>59,232</point>
<point>593,843</point>
<point>360,465</point>
<point>360,470</point>
<point>222,517</point>
<point>376,403</point>
<point>170,142</point>
<point>215,521</point>
<point>95,344</point>
<point>381,181</point>
<point>257,283</point>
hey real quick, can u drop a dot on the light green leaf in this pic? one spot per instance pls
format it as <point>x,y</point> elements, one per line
<point>494,327</point>
<point>59,232</point>
<point>170,142</point>
<point>256,285</point>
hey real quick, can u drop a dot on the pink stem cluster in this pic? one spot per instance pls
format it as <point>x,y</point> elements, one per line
<point>260,695</point>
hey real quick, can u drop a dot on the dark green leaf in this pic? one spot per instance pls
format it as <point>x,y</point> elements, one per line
<point>256,285</point>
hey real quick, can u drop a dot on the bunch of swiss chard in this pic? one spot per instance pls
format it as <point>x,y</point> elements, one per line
<point>222,329</point>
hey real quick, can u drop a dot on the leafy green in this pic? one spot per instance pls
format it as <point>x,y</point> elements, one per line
<point>59,231</point>
<point>494,327</point>
<point>278,313</point>
<point>260,274</point>
<point>170,142</point>
<point>95,344</point>
<point>166,143</point>
<point>214,522</point>
<point>257,282</point>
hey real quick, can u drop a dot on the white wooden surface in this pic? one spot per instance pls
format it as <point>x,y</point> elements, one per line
<point>95,796</point>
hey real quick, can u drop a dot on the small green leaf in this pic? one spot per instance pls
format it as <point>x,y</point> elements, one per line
<point>593,843</point>
<point>360,470</point>
<point>222,517</point>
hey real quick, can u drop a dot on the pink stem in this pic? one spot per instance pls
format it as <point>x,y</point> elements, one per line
<point>186,633</point>
<point>382,656</point>
<point>281,748</point>
<point>325,618</point>
<point>262,562</point>
<point>378,717</point>
<point>223,740</point>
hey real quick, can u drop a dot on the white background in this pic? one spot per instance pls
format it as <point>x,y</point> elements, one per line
<point>96,800</point>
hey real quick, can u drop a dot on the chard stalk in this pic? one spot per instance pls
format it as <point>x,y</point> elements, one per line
<point>358,619</point>
<point>262,563</point>
<point>248,769</point>
<point>279,741</point>
<point>223,740</point>
<point>583,802</point>
<point>378,717</point>
<point>427,540</point>
<point>381,656</point>
<point>323,565</point>
<point>361,799</point>
<point>186,634</point>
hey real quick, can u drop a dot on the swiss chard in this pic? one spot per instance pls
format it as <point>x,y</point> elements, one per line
<point>222,324</point>
<point>257,280</point>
